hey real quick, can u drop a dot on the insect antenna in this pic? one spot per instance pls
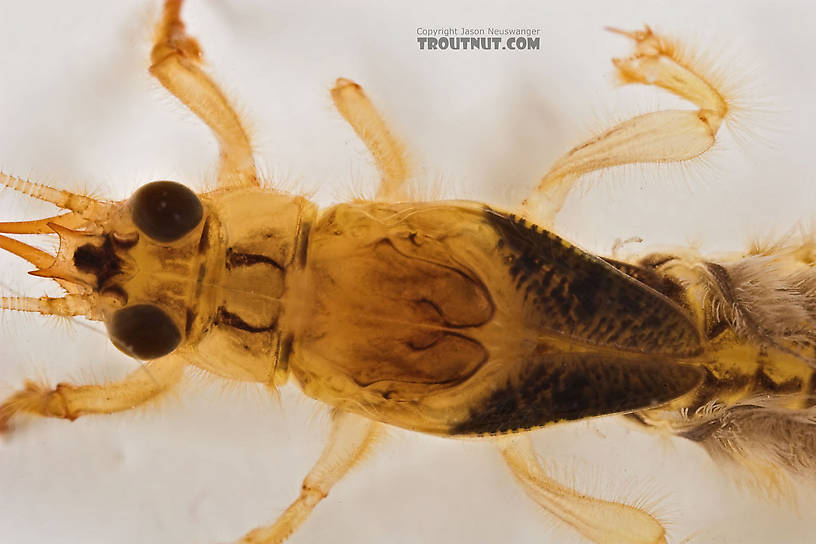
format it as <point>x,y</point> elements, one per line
<point>67,306</point>
<point>85,206</point>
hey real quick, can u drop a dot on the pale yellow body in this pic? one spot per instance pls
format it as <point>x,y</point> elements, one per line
<point>419,314</point>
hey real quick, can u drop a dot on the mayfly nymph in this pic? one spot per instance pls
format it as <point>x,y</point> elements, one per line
<point>451,318</point>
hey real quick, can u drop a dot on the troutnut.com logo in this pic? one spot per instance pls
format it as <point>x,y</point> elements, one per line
<point>489,38</point>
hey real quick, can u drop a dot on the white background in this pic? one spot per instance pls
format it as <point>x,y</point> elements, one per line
<point>78,110</point>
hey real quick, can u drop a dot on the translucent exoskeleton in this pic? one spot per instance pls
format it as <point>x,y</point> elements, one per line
<point>227,316</point>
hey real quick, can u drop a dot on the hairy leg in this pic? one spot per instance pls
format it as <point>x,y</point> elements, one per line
<point>176,63</point>
<point>599,521</point>
<point>356,108</point>
<point>351,437</point>
<point>70,401</point>
<point>662,136</point>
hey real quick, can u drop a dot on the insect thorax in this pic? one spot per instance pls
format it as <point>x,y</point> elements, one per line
<point>259,239</point>
<point>454,318</point>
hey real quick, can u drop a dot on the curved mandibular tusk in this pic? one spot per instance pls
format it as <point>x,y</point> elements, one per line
<point>70,220</point>
<point>37,257</point>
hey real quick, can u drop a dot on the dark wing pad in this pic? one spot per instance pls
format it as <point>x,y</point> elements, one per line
<point>570,386</point>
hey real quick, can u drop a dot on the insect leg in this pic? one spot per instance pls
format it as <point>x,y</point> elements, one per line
<point>662,136</point>
<point>69,401</point>
<point>351,438</point>
<point>176,63</point>
<point>356,108</point>
<point>600,521</point>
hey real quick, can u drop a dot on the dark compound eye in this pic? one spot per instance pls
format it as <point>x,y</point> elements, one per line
<point>143,331</point>
<point>165,210</point>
